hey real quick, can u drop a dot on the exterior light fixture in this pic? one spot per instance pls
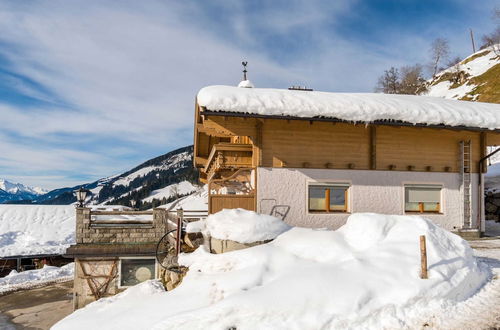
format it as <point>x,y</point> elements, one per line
<point>81,194</point>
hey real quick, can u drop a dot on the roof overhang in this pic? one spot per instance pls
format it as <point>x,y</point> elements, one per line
<point>206,112</point>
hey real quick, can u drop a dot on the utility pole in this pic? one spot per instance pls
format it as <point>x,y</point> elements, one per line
<point>472,39</point>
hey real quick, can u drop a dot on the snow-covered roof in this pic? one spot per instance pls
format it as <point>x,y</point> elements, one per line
<point>353,107</point>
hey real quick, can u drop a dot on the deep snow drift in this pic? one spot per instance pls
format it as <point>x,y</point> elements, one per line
<point>244,226</point>
<point>363,275</point>
<point>36,229</point>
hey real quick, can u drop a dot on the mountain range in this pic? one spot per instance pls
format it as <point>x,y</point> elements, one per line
<point>157,181</point>
<point>16,191</point>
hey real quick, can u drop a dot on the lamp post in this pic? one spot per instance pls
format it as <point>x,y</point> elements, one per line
<point>81,194</point>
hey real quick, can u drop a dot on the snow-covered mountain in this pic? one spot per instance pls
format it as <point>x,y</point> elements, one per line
<point>157,181</point>
<point>476,78</point>
<point>16,191</point>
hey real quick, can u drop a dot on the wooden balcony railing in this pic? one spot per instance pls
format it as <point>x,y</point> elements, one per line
<point>228,156</point>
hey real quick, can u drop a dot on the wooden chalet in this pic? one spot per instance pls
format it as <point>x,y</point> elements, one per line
<point>313,158</point>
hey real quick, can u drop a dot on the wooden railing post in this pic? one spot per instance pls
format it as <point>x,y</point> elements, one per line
<point>423,258</point>
<point>180,216</point>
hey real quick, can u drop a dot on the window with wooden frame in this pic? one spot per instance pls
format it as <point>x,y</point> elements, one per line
<point>423,198</point>
<point>328,198</point>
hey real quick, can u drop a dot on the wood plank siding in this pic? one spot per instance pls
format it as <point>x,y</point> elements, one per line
<point>218,202</point>
<point>321,144</point>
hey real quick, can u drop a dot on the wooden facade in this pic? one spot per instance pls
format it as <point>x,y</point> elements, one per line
<point>320,143</point>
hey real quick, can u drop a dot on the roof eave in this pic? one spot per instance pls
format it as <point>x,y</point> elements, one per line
<point>327,119</point>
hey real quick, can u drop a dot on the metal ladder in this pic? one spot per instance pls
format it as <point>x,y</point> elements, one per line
<point>465,171</point>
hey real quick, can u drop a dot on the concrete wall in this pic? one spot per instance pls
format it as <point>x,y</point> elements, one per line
<point>370,191</point>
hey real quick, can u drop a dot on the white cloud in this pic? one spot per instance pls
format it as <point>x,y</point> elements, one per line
<point>128,71</point>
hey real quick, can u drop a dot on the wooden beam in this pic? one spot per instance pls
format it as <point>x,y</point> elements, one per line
<point>373,147</point>
<point>483,146</point>
<point>327,200</point>
<point>257,145</point>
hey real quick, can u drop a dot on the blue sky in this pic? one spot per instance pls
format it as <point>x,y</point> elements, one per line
<point>89,89</point>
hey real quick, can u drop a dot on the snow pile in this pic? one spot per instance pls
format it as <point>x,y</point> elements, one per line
<point>36,229</point>
<point>246,84</point>
<point>364,275</point>
<point>244,226</point>
<point>37,277</point>
<point>356,107</point>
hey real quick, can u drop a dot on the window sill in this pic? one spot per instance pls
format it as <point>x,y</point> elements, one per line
<point>425,212</point>
<point>331,212</point>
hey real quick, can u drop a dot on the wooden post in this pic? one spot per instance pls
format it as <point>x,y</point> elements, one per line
<point>327,200</point>
<point>373,147</point>
<point>423,258</point>
<point>180,216</point>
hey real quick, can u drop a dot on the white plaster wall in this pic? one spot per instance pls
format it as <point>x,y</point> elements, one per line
<point>370,191</point>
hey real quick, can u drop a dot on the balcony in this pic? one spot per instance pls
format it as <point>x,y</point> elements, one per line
<point>228,157</point>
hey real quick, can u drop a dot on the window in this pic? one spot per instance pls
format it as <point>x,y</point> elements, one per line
<point>136,270</point>
<point>328,197</point>
<point>423,198</point>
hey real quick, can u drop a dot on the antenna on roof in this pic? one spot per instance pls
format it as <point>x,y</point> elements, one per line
<point>244,63</point>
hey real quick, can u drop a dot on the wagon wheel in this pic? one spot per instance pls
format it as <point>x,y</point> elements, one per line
<point>165,252</point>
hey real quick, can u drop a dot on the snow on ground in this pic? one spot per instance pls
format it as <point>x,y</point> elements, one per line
<point>492,228</point>
<point>36,229</point>
<point>443,89</point>
<point>492,177</point>
<point>244,226</point>
<point>480,311</point>
<point>197,201</point>
<point>181,188</point>
<point>484,60</point>
<point>357,107</point>
<point>125,181</point>
<point>34,278</point>
<point>363,275</point>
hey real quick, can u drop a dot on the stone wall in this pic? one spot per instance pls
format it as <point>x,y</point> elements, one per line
<point>82,293</point>
<point>87,232</point>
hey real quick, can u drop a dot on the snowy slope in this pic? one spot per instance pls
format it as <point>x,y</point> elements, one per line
<point>197,201</point>
<point>476,78</point>
<point>365,275</point>
<point>36,229</point>
<point>355,107</point>
<point>176,189</point>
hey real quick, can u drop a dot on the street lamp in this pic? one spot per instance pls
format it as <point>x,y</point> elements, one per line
<point>81,194</point>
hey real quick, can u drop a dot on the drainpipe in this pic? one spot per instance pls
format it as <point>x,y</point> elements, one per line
<point>480,192</point>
